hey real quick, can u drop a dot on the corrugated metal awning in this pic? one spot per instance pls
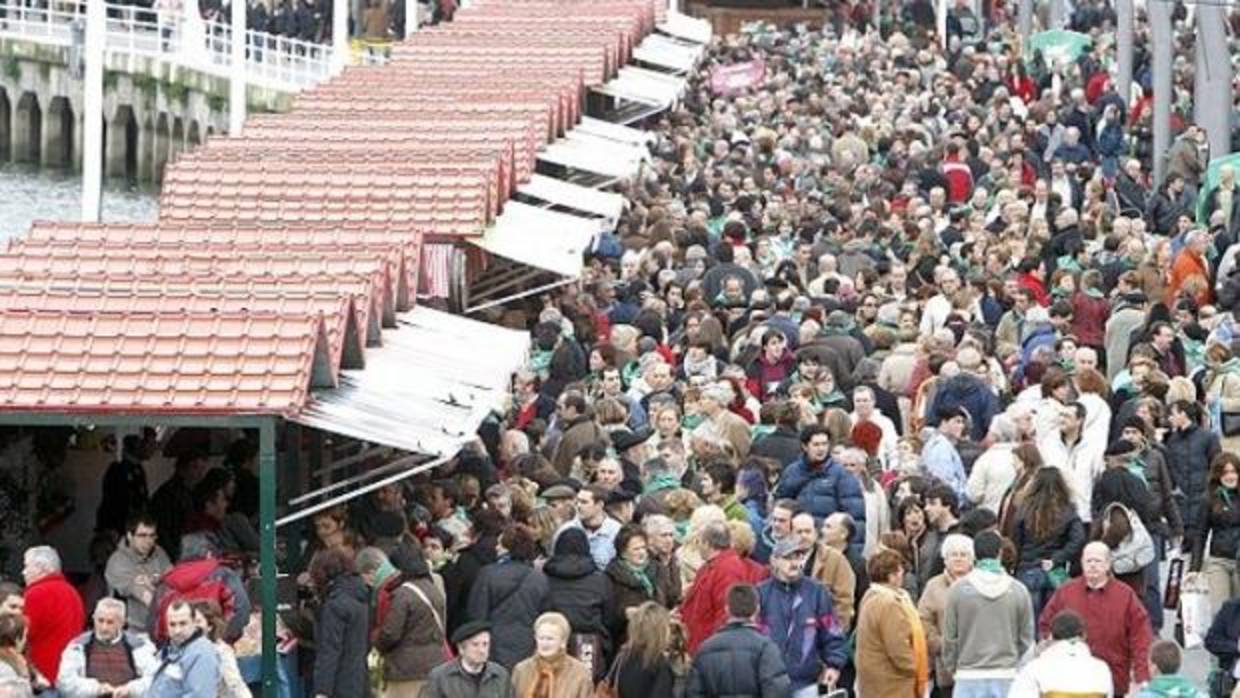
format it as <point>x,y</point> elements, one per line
<point>561,193</point>
<point>427,389</point>
<point>686,27</point>
<point>581,154</point>
<point>614,132</point>
<point>541,238</point>
<point>669,53</point>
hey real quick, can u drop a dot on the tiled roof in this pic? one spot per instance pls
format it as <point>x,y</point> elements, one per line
<point>67,361</point>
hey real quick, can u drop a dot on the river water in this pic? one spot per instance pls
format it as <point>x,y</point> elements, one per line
<point>28,194</point>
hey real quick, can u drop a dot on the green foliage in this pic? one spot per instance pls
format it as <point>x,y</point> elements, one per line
<point>13,69</point>
<point>177,92</point>
<point>217,103</point>
<point>110,78</point>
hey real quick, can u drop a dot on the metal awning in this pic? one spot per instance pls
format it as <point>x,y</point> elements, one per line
<point>685,27</point>
<point>417,392</point>
<point>614,132</point>
<point>580,155</point>
<point>541,238</point>
<point>668,53</point>
<point>632,155</point>
<point>574,196</point>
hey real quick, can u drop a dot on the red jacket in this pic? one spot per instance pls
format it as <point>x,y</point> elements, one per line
<point>1031,282</point>
<point>1117,628</point>
<point>705,607</point>
<point>1089,319</point>
<point>54,616</point>
<point>959,181</point>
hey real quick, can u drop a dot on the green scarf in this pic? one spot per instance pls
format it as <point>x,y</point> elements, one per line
<point>691,421</point>
<point>540,362</point>
<point>757,431</point>
<point>385,572</point>
<point>642,575</point>
<point>658,483</point>
<point>990,565</point>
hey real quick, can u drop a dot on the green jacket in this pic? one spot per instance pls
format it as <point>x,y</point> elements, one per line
<point>1170,686</point>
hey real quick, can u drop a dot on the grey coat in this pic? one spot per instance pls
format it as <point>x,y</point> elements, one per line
<point>450,681</point>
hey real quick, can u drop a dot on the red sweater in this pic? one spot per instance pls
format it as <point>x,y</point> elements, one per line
<point>54,616</point>
<point>705,607</point>
<point>1117,628</point>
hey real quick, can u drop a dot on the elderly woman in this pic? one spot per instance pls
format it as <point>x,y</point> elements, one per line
<point>551,673</point>
<point>995,470</point>
<point>891,657</point>
<point>957,551</point>
<point>1223,393</point>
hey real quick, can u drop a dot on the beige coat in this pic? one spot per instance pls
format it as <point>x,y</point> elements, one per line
<point>931,607</point>
<point>832,569</point>
<point>1225,387</point>
<point>572,680</point>
<point>885,659</point>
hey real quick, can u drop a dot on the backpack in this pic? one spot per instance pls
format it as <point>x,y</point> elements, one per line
<point>196,580</point>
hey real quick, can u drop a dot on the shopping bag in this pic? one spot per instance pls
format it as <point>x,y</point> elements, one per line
<point>1195,611</point>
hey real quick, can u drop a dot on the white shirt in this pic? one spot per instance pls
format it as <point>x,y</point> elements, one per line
<point>934,316</point>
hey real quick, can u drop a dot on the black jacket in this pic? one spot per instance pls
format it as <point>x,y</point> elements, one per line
<point>1189,453</point>
<point>783,445</point>
<point>510,595</point>
<point>1224,634</point>
<point>1063,547</point>
<point>738,661</point>
<point>632,680</point>
<point>1221,523</point>
<point>342,640</point>
<point>577,589</point>
<point>1119,485</point>
<point>459,578</point>
<point>625,591</point>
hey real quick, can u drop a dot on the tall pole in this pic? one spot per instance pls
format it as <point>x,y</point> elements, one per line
<point>267,548</point>
<point>340,35</point>
<point>940,22</point>
<point>1160,30</point>
<point>1214,75</point>
<point>1123,59</point>
<point>236,78</point>
<point>1054,15</point>
<point>411,17</point>
<point>1025,23</point>
<point>92,135</point>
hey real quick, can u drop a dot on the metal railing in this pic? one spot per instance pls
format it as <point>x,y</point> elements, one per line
<point>272,61</point>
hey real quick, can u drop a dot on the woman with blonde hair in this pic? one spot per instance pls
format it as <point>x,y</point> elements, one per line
<point>1222,393</point>
<point>551,673</point>
<point>643,667</point>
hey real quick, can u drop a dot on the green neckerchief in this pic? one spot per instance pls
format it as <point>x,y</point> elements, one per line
<point>385,572</point>
<point>540,361</point>
<point>757,431</point>
<point>1136,466</point>
<point>629,372</point>
<point>1068,262</point>
<point>642,576</point>
<point>1226,495</point>
<point>1093,293</point>
<point>990,565</point>
<point>658,483</point>
<point>691,421</point>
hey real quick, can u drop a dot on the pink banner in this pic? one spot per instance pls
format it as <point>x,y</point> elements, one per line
<point>728,80</point>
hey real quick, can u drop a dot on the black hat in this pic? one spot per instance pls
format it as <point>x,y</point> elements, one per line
<point>624,439</point>
<point>1133,422</point>
<point>388,524</point>
<point>470,629</point>
<point>620,495</point>
<point>1120,447</point>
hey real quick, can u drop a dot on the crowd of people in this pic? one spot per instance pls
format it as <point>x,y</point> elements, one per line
<point>898,375</point>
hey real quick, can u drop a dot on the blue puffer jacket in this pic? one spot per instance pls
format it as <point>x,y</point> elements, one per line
<point>974,396</point>
<point>800,620</point>
<point>823,490</point>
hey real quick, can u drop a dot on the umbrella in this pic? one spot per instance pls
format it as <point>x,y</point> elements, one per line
<point>1210,183</point>
<point>1058,46</point>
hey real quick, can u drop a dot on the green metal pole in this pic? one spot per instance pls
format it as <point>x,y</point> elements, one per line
<point>267,553</point>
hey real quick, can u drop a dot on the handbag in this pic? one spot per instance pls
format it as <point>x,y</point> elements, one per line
<point>606,687</point>
<point>448,654</point>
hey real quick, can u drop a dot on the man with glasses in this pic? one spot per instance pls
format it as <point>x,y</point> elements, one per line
<point>797,613</point>
<point>135,568</point>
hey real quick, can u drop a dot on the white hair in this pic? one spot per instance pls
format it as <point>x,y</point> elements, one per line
<point>108,603</point>
<point>44,556</point>
<point>957,543</point>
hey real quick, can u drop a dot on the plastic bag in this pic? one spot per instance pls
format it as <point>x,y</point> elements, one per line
<point>1195,611</point>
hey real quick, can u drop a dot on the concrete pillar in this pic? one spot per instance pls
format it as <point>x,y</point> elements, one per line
<point>58,134</point>
<point>340,35</point>
<point>1056,15</point>
<point>115,163</point>
<point>1123,58</point>
<point>28,129</point>
<point>178,139</point>
<point>146,151</point>
<point>236,75</point>
<point>6,126</point>
<point>163,134</point>
<point>1213,74</point>
<point>1025,22</point>
<point>1161,35</point>
<point>91,149</point>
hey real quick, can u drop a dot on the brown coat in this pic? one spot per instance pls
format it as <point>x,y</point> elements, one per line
<point>572,680</point>
<point>581,433</point>
<point>832,569</point>
<point>885,660</point>
<point>736,431</point>
<point>931,607</point>
<point>410,639</point>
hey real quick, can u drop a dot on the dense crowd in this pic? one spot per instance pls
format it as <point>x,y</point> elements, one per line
<point>898,375</point>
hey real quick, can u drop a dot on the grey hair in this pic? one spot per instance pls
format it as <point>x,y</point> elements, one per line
<point>657,523</point>
<point>44,556</point>
<point>717,536</point>
<point>1003,428</point>
<point>957,543</point>
<point>370,559</point>
<point>108,603</point>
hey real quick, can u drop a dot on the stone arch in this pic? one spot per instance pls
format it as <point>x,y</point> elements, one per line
<point>122,144</point>
<point>6,133</point>
<point>162,146</point>
<point>178,137</point>
<point>58,133</point>
<point>28,132</point>
<point>195,133</point>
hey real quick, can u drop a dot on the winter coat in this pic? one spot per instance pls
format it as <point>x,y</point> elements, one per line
<point>191,670</point>
<point>1221,523</point>
<point>1189,453</point>
<point>705,609</point>
<point>1062,547</point>
<point>450,680</point>
<point>1119,328</point>
<point>1189,267</point>
<point>342,640</point>
<point>823,489</point>
<point>930,607</point>
<point>836,573</point>
<point>1117,484</point>
<point>993,473</point>
<point>885,659</point>
<point>942,460</point>
<point>578,435</point>
<point>1065,667</point>
<point>626,591</point>
<point>572,678</point>
<point>632,680</point>
<point>72,682</point>
<point>54,616</point>
<point>782,445</point>
<point>510,595</point>
<point>1117,627</point>
<point>1162,490</point>
<point>765,377</point>
<point>459,578</point>
<point>410,635</point>
<point>970,393</point>
<point>1212,204</point>
<point>188,577</point>
<point>1089,318</point>
<point>800,619</point>
<point>738,662</point>
<point>577,589</point>
<point>1223,638</point>
<point>124,566</point>
<point>1224,386</point>
<point>1171,686</point>
<point>988,626</point>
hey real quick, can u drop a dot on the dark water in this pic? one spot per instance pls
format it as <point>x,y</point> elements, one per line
<point>28,194</point>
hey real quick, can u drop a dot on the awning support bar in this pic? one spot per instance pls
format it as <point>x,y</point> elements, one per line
<point>364,489</point>
<point>386,468</point>
<point>522,294</point>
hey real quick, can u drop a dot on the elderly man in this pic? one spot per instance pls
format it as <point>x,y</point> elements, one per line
<point>798,611</point>
<point>135,568</point>
<point>704,609</point>
<point>189,666</point>
<point>472,673</point>
<point>54,613</point>
<point>735,430</point>
<point>1117,626</point>
<point>1190,272</point>
<point>107,660</point>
